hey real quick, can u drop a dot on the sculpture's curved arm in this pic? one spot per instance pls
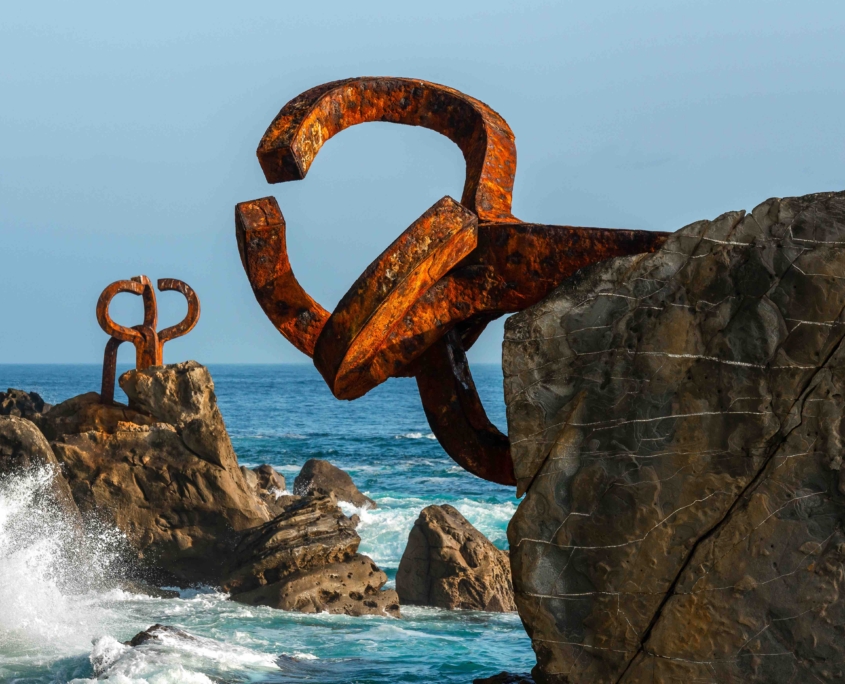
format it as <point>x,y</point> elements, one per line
<point>187,324</point>
<point>140,285</point>
<point>305,123</point>
<point>260,230</point>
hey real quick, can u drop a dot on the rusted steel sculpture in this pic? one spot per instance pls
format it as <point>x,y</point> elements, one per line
<point>425,300</point>
<point>149,344</point>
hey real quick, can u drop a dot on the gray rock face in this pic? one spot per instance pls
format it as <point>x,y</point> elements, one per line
<point>307,559</point>
<point>450,564</point>
<point>22,404</point>
<point>319,477</point>
<point>676,424</point>
<point>24,448</point>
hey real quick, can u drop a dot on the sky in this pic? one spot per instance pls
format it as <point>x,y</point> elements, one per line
<point>128,133</point>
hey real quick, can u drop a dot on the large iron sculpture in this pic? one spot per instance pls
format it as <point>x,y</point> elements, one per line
<point>425,300</point>
<point>149,343</point>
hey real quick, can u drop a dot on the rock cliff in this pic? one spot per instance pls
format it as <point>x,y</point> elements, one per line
<point>676,425</point>
<point>450,564</point>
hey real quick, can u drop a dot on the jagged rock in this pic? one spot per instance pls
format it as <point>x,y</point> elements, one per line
<point>268,484</point>
<point>182,395</point>
<point>306,560</point>
<point>505,678</point>
<point>322,478</point>
<point>24,448</point>
<point>169,481</point>
<point>22,404</point>
<point>676,425</point>
<point>269,479</point>
<point>450,564</point>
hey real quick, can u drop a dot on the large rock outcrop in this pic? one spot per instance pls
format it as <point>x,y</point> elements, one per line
<point>164,472</point>
<point>167,477</point>
<point>676,421</point>
<point>307,559</point>
<point>450,564</point>
<point>321,478</point>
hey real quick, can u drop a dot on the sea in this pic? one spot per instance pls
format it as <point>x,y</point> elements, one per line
<point>58,623</point>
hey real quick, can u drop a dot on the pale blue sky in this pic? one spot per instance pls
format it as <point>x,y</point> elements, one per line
<point>128,133</point>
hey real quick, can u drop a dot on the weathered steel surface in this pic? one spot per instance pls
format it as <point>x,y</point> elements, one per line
<point>423,302</point>
<point>148,342</point>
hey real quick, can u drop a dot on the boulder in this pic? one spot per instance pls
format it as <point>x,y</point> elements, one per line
<point>306,559</point>
<point>22,404</point>
<point>676,427</point>
<point>169,480</point>
<point>24,448</point>
<point>450,564</point>
<point>322,478</point>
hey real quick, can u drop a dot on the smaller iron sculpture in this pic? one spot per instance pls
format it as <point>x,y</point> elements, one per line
<point>149,343</point>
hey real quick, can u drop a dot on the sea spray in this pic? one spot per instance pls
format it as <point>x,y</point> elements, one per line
<point>52,572</point>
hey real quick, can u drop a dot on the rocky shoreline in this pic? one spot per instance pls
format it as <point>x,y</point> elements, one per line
<point>163,471</point>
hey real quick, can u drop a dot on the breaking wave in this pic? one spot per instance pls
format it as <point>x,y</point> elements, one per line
<point>384,530</point>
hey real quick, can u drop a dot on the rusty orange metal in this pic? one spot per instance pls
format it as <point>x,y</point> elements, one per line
<point>425,300</point>
<point>149,343</point>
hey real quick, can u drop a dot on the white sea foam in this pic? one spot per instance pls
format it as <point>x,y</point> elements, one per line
<point>48,594</point>
<point>177,658</point>
<point>415,435</point>
<point>384,530</point>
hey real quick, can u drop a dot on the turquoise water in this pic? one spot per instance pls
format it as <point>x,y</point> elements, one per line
<point>55,628</point>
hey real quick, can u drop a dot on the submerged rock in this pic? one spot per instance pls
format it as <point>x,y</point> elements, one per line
<point>22,404</point>
<point>156,632</point>
<point>141,588</point>
<point>319,477</point>
<point>450,564</point>
<point>306,559</point>
<point>676,425</point>
<point>505,678</point>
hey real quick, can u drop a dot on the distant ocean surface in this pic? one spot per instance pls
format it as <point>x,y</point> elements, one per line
<point>281,415</point>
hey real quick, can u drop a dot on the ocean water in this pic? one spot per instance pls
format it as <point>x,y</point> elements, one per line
<point>58,625</point>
